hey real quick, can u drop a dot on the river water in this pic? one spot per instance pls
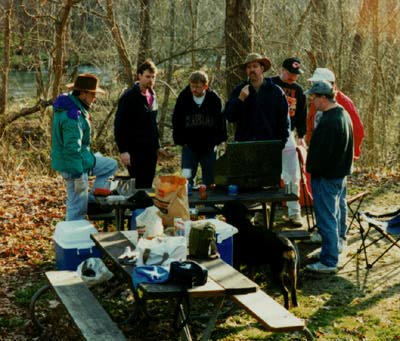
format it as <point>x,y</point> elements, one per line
<point>22,84</point>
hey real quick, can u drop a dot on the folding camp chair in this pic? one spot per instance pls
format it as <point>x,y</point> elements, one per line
<point>306,200</point>
<point>388,230</point>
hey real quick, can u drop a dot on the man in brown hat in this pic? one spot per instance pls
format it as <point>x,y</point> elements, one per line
<point>70,149</point>
<point>258,106</point>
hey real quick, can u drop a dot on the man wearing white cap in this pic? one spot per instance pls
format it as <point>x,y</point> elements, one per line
<point>329,161</point>
<point>324,74</point>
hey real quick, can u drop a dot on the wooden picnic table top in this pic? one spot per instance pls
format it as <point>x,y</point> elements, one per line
<point>222,279</point>
<point>218,196</point>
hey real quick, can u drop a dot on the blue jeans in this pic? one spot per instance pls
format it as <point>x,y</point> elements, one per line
<point>191,159</point>
<point>327,193</point>
<point>77,202</point>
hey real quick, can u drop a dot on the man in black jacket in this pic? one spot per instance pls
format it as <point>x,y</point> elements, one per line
<point>135,127</point>
<point>329,161</point>
<point>198,126</point>
<point>258,106</point>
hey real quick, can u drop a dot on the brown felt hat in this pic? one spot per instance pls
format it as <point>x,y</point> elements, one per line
<point>256,57</point>
<point>86,82</point>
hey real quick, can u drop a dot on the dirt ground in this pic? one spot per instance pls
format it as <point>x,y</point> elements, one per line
<point>355,304</point>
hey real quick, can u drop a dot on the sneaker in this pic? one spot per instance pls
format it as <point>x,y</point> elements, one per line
<point>315,237</point>
<point>321,268</point>
<point>296,220</point>
<point>342,244</point>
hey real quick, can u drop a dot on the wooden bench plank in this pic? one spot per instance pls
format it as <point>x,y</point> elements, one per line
<point>295,234</point>
<point>268,312</point>
<point>232,280</point>
<point>84,309</point>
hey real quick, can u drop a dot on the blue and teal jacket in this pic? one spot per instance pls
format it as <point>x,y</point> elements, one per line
<point>70,146</point>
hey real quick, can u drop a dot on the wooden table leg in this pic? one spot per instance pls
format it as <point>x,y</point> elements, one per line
<point>270,225</point>
<point>218,301</point>
<point>119,218</point>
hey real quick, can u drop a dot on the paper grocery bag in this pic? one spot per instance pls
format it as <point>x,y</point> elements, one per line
<point>171,198</point>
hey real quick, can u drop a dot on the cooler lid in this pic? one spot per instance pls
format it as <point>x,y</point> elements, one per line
<point>74,234</point>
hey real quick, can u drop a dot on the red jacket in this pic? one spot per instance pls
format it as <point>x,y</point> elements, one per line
<point>348,105</point>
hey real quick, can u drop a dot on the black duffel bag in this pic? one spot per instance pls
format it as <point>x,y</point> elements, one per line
<point>188,274</point>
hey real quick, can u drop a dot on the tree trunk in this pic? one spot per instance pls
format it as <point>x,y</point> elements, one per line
<point>120,44</point>
<point>238,39</point>
<point>5,68</point>
<point>370,144</point>
<point>358,43</point>
<point>59,45</point>
<point>169,71</point>
<point>193,9</point>
<point>319,31</point>
<point>144,34</point>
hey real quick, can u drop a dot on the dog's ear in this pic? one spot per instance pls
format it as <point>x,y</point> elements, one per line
<point>234,211</point>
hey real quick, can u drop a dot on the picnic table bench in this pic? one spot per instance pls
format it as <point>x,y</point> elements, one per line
<point>88,315</point>
<point>223,282</point>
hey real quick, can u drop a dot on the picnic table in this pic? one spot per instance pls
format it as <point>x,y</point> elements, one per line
<point>264,196</point>
<point>223,282</point>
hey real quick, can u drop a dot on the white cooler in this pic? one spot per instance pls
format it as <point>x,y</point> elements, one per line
<point>73,244</point>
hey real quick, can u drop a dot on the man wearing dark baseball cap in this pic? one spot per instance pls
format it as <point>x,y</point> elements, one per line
<point>293,65</point>
<point>287,80</point>
<point>329,161</point>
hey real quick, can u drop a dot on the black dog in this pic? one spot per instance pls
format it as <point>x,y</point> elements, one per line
<point>258,246</point>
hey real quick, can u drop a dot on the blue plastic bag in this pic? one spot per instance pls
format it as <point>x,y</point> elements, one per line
<point>149,274</point>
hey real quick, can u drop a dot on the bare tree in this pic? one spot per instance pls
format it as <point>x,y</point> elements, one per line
<point>319,31</point>
<point>144,51</point>
<point>370,142</point>
<point>59,44</point>
<point>193,10</point>
<point>238,39</point>
<point>120,44</point>
<point>5,68</point>
<point>170,69</point>
<point>357,45</point>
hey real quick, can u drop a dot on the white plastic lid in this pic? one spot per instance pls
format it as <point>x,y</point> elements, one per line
<point>74,234</point>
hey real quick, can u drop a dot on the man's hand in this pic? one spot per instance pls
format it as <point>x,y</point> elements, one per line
<point>244,93</point>
<point>80,184</point>
<point>125,158</point>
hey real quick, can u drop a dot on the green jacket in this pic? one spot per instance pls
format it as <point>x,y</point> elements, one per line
<point>70,146</point>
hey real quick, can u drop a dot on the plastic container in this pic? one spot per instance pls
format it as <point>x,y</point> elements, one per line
<point>225,249</point>
<point>135,213</point>
<point>73,245</point>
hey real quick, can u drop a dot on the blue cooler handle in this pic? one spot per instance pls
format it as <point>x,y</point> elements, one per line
<point>84,252</point>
